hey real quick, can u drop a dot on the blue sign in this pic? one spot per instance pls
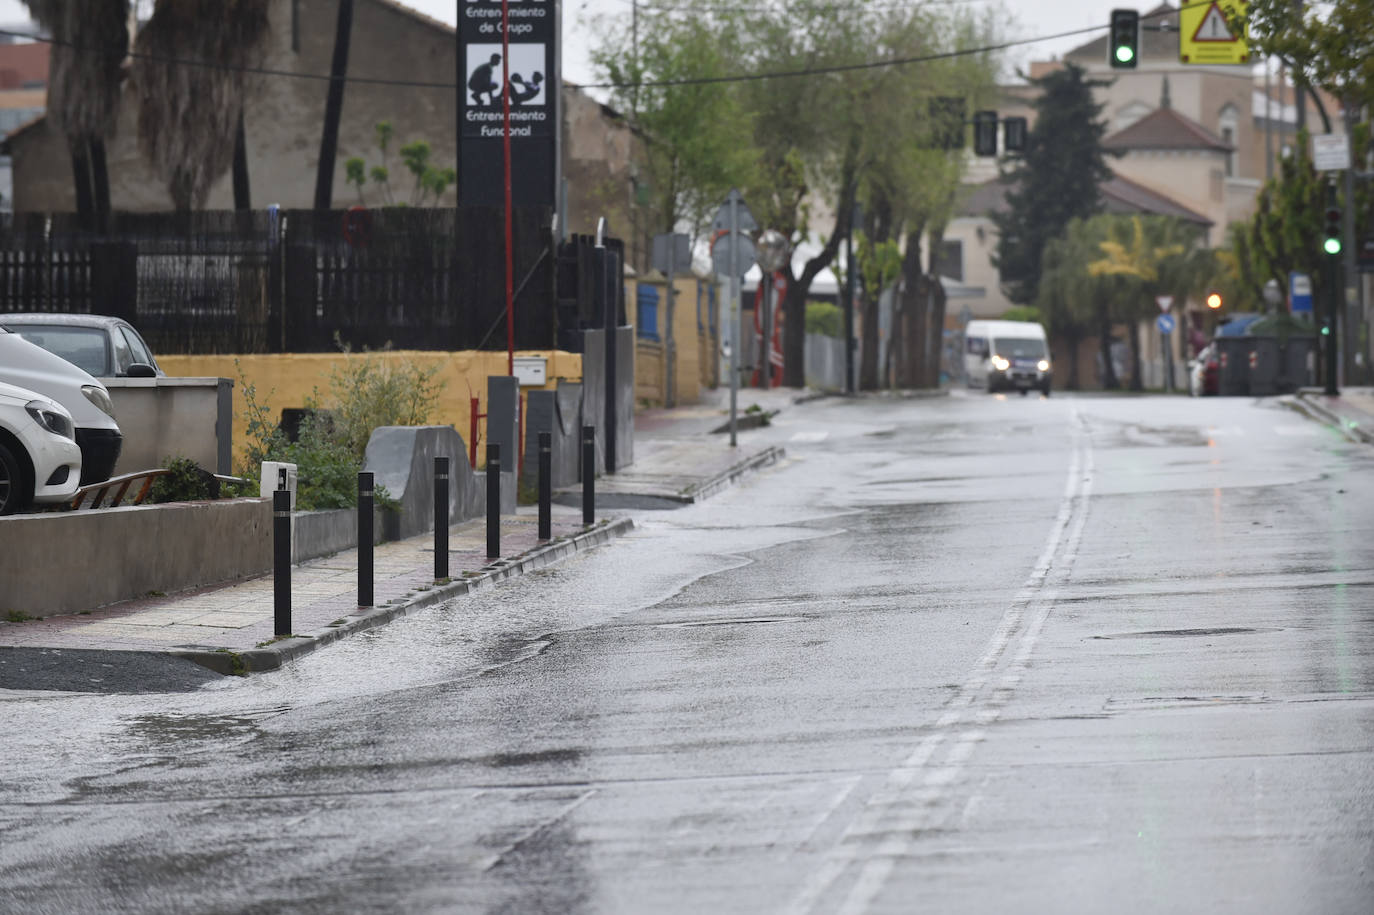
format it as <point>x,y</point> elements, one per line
<point>1165,323</point>
<point>1299,292</point>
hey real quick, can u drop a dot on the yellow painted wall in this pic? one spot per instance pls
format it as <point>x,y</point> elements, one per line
<point>289,380</point>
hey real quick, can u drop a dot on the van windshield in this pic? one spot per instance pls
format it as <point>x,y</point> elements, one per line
<point>1019,348</point>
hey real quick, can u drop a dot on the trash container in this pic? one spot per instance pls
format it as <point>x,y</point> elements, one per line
<point>1298,364</point>
<point>1233,365</point>
<point>1264,366</point>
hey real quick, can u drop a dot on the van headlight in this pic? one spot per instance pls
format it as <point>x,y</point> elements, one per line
<point>100,398</point>
<point>1043,365</point>
<point>50,419</point>
<point>1000,364</point>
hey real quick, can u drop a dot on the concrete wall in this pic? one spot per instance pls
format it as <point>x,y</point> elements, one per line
<point>560,414</point>
<point>651,367</point>
<point>402,460</point>
<point>64,562</point>
<point>290,379</point>
<point>173,417</point>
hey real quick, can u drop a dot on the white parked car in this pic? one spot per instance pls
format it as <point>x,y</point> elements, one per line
<point>107,347</point>
<point>86,400</point>
<point>39,457</point>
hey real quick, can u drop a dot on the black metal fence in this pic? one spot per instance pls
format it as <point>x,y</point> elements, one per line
<point>294,280</point>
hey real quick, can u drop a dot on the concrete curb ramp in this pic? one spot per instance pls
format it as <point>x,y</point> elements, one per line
<point>273,656</point>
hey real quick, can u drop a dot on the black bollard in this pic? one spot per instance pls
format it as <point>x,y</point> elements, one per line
<point>493,500</point>
<point>588,474</point>
<point>281,561</point>
<point>440,518</point>
<point>365,538</point>
<point>545,485</point>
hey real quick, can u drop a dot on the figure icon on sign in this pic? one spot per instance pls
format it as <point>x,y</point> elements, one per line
<point>526,90</point>
<point>480,83</point>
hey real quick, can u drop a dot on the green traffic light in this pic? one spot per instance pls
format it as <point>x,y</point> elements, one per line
<point>1124,54</point>
<point>1332,246</point>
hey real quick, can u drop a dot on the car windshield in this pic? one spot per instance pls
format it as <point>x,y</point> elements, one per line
<point>84,347</point>
<point>1019,348</point>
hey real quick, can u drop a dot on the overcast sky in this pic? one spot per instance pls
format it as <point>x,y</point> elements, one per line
<point>1034,18</point>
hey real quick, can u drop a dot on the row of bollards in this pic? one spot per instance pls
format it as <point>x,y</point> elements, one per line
<point>281,520</point>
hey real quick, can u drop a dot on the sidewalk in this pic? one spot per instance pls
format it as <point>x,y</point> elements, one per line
<point>229,627</point>
<point>1351,411</point>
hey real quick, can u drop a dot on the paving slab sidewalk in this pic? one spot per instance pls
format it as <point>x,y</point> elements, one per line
<point>229,627</point>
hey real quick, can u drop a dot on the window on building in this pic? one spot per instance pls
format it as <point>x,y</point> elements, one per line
<point>950,261</point>
<point>1227,122</point>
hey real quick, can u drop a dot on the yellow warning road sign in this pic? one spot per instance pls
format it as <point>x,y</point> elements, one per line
<point>1209,33</point>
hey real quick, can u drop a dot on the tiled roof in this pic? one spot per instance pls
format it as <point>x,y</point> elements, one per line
<point>1153,44</point>
<point>1122,195</point>
<point>1165,128</point>
<point>1119,195</point>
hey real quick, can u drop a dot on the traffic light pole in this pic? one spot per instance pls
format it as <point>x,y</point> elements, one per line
<point>1334,293</point>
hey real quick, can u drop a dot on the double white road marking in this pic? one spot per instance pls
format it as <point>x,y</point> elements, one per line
<point>918,794</point>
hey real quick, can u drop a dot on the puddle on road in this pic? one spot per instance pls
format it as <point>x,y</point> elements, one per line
<point>735,621</point>
<point>1185,633</point>
<point>171,726</point>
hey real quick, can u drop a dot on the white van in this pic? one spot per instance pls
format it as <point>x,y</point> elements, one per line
<point>1007,355</point>
<point>25,365</point>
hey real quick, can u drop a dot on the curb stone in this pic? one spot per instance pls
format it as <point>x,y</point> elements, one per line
<point>1321,414</point>
<point>729,477</point>
<point>273,656</point>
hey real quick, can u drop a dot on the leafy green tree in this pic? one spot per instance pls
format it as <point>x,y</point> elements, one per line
<point>697,138</point>
<point>1056,179</point>
<point>1155,256</point>
<point>1327,45</point>
<point>1287,223</point>
<point>1073,301</point>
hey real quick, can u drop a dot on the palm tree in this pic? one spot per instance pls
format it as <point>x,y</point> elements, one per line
<point>190,74</point>
<point>90,43</point>
<point>1156,255</point>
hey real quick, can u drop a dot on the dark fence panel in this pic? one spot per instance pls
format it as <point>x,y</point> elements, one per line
<point>298,281</point>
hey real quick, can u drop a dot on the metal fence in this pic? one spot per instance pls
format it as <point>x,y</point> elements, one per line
<point>295,280</point>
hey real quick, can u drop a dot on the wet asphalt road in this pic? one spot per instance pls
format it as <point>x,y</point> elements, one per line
<point>958,655</point>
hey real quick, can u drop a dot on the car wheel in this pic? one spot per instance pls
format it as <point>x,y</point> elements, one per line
<point>14,488</point>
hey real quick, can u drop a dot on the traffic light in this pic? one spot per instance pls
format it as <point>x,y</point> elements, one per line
<point>1214,300</point>
<point>1014,134</point>
<point>1331,237</point>
<point>1123,46</point>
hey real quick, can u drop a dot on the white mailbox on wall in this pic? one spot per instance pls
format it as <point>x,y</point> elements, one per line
<point>531,370</point>
<point>278,475</point>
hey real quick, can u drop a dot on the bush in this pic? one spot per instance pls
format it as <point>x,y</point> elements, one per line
<point>367,392</point>
<point>187,482</point>
<point>824,318</point>
<point>371,390</point>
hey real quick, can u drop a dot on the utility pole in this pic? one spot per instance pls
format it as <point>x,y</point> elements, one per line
<point>849,278</point>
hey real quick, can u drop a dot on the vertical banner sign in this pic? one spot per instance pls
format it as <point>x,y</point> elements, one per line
<point>535,102</point>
